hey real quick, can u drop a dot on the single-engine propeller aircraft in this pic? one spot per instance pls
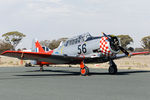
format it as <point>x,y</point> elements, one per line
<point>81,49</point>
<point>34,49</point>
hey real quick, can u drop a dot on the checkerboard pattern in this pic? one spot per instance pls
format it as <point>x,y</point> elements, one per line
<point>104,48</point>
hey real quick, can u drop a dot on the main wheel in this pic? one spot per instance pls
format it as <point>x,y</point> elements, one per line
<point>113,70</point>
<point>47,65</point>
<point>26,65</point>
<point>41,68</point>
<point>84,71</point>
<point>30,64</point>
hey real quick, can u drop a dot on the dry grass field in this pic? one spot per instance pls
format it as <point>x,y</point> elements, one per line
<point>9,61</point>
<point>135,62</point>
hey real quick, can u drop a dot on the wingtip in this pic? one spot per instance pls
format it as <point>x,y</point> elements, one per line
<point>129,55</point>
<point>138,53</point>
<point>4,52</point>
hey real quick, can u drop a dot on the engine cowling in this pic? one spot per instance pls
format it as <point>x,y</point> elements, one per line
<point>107,48</point>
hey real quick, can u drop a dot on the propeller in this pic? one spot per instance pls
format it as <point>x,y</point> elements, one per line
<point>116,45</point>
<point>124,51</point>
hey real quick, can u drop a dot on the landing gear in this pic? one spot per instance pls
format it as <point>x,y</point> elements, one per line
<point>47,65</point>
<point>84,70</point>
<point>28,65</point>
<point>41,68</point>
<point>113,68</point>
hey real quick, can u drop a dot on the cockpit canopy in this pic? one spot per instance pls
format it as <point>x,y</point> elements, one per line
<point>46,49</point>
<point>77,39</point>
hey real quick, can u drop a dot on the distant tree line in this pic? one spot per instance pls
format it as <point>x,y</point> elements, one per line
<point>146,42</point>
<point>12,39</point>
<point>52,44</point>
<point>126,40</point>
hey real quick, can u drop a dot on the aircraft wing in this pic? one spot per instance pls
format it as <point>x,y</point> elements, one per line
<point>44,57</point>
<point>118,56</point>
<point>61,59</point>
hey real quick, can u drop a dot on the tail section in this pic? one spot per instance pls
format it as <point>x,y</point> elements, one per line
<point>39,47</point>
<point>36,47</point>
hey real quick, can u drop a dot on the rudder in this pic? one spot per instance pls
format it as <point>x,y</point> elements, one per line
<point>36,47</point>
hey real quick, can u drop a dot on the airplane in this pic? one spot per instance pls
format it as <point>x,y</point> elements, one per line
<point>34,62</point>
<point>44,49</point>
<point>82,49</point>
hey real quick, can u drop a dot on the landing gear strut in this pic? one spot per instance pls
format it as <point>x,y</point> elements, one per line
<point>84,70</point>
<point>41,68</point>
<point>113,67</point>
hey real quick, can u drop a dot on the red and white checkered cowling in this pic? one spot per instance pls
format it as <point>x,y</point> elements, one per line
<point>105,47</point>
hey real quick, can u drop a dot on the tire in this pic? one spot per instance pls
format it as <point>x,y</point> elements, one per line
<point>84,71</point>
<point>47,65</point>
<point>113,70</point>
<point>29,64</point>
<point>26,65</point>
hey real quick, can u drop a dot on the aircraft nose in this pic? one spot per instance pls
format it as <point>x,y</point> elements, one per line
<point>104,46</point>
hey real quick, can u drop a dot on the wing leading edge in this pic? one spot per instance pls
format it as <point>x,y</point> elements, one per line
<point>118,56</point>
<point>44,57</point>
<point>61,59</point>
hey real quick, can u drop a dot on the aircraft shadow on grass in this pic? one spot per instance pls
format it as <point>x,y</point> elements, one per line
<point>72,73</point>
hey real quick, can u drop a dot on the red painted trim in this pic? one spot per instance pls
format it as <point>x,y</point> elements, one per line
<point>82,65</point>
<point>83,56</point>
<point>83,71</point>
<point>37,44</point>
<point>50,52</point>
<point>43,63</point>
<point>138,53</point>
<point>34,53</point>
<point>38,53</point>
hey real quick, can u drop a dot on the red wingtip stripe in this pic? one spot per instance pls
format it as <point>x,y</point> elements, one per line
<point>42,53</point>
<point>138,53</point>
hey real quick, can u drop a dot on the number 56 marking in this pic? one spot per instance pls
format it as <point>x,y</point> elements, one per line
<point>82,48</point>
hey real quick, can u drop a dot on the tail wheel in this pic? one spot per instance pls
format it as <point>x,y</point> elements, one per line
<point>84,71</point>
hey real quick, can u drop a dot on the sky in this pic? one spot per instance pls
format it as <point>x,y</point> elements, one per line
<point>54,19</point>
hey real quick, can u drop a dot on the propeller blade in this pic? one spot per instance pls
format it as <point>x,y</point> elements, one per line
<point>124,51</point>
<point>107,36</point>
<point>116,44</point>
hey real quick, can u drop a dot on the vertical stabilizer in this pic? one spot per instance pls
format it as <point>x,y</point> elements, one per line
<point>39,47</point>
<point>36,47</point>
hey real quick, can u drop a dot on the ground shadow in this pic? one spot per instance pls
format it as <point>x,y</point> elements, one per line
<point>131,72</point>
<point>120,73</point>
<point>72,73</point>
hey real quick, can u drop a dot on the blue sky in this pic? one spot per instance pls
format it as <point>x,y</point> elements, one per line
<point>53,19</point>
